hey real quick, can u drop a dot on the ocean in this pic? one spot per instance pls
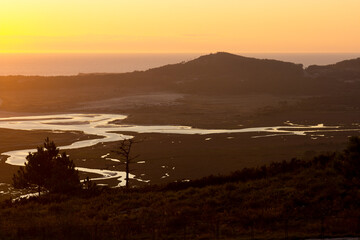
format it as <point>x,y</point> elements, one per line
<point>73,64</point>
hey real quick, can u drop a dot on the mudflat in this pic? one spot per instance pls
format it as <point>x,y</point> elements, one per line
<point>170,157</point>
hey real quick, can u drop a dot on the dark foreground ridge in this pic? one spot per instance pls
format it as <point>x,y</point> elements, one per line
<point>294,199</point>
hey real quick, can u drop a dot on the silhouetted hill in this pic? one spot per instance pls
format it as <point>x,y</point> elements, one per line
<point>224,72</point>
<point>348,70</point>
<point>214,73</point>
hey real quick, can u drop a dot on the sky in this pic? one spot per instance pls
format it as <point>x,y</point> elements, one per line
<point>179,26</point>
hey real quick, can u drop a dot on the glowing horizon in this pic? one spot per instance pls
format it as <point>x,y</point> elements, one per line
<point>159,26</point>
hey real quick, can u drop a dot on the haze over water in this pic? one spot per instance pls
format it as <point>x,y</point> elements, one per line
<point>73,64</point>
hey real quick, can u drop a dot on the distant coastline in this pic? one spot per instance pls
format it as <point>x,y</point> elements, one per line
<point>74,64</point>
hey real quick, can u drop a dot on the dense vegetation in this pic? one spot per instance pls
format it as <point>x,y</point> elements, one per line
<point>294,199</point>
<point>47,169</point>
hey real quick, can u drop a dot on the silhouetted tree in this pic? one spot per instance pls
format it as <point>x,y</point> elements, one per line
<point>124,151</point>
<point>47,168</point>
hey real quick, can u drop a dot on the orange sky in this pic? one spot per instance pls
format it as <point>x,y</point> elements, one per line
<point>179,26</point>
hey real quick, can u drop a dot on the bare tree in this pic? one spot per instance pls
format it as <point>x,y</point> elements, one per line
<point>124,150</point>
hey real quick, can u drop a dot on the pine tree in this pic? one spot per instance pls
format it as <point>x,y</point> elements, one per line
<point>47,168</point>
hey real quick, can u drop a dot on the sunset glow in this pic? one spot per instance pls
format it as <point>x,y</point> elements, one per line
<point>179,26</point>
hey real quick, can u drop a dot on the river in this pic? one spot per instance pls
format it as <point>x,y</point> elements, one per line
<point>103,125</point>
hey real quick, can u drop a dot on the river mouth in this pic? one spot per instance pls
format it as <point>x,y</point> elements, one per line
<point>108,128</point>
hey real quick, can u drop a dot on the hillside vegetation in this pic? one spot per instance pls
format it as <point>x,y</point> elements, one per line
<point>293,199</point>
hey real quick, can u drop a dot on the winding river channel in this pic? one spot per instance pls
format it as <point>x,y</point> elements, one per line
<point>104,126</point>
